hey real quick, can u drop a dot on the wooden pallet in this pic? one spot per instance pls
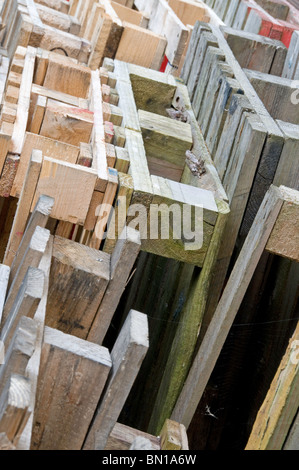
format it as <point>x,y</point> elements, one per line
<point>276,220</point>
<point>67,116</point>
<point>42,334</point>
<point>276,20</point>
<point>156,170</point>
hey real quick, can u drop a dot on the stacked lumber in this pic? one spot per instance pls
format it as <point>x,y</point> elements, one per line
<point>91,30</point>
<point>67,122</point>
<point>271,18</point>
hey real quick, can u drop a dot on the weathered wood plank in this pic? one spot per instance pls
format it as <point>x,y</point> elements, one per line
<point>78,280</point>
<point>58,421</point>
<point>127,356</point>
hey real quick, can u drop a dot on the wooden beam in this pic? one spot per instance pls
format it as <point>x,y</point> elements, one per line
<point>78,280</point>
<point>227,309</point>
<point>127,356</point>
<point>58,421</point>
<point>122,262</point>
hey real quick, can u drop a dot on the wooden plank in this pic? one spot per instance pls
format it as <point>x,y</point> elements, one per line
<point>189,11</point>
<point>58,180</point>
<point>14,403</point>
<point>49,147</point>
<point>148,50</point>
<point>65,76</point>
<point>246,85</point>
<point>286,173</point>
<point>4,147</point>
<point>98,139</point>
<point>24,206</point>
<point>58,421</point>
<point>165,138</point>
<point>291,66</point>
<point>213,55</point>
<point>129,15</point>
<point>39,217</point>
<point>126,96</point>
<point>255,52</point>
<point>60,96</point>
<point>38,115</point>
<point>127,356</point>
<point>276,94</point>
<point>8,174</point>
<point>280,406</point>
<point>163,20</point>
<point>78,280</point>
<point>23,104</point>
<point>66,123</point>
<point>228,306</point>
<point>122,262</point>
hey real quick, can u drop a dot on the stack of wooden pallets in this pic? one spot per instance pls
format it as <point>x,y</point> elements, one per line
<point>270,18</point>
